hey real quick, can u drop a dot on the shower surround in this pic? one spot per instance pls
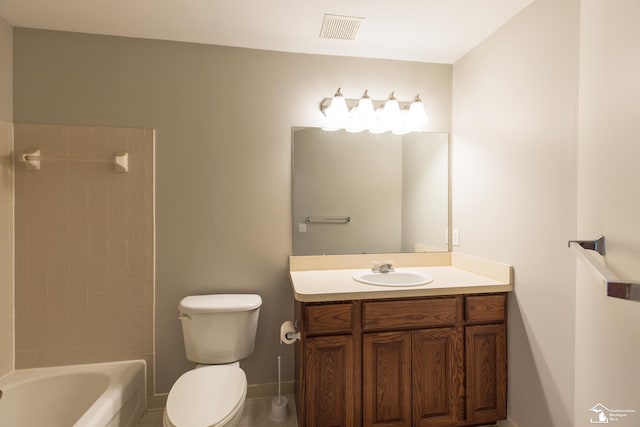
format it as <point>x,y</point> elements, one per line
<point>84,247</point>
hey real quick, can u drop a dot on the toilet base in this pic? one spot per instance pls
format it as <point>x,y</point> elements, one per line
<point>232,422</point>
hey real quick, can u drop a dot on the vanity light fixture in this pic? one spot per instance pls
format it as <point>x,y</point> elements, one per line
<point>356,115</point>
<point>338,106</point>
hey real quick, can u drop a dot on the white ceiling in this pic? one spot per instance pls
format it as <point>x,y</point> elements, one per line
<point>417,30</point>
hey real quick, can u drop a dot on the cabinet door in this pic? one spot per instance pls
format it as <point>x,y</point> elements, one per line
<point>328,381</point>
<point>386,373</point>
<point>486,373</point>
<point>437,375</point>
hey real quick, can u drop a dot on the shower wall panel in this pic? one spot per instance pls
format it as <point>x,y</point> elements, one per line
<point>84,246</point>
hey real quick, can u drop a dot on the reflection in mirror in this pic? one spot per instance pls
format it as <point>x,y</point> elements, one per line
<point>369,193</point>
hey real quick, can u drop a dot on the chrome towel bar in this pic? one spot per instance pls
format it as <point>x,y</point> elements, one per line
<point>616,288</point>
<point>327,220</point>
<point>595,245</point>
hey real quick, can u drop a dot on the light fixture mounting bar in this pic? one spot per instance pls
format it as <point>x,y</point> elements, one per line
<point>352,103</point>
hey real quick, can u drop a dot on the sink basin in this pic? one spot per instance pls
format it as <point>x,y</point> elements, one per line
<point>393,278</point>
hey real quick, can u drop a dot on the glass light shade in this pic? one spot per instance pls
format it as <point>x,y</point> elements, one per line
<point>353,123</point>
<point>417,114</point>
<point>333,123</point>
<point>329,128</point>
<point>354,129</point>
<point>364,109</point>
<point>401,126</point>
<point>378,124</point>
<point>375,130</point>
<point>391,109</point>
<point>338,106</point>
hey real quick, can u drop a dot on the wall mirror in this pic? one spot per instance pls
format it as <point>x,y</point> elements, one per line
<point>359,193</point>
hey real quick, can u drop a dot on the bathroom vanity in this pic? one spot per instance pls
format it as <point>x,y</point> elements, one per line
<point>429,355</point>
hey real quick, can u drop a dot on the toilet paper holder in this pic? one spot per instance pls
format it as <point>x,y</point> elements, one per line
<point>294,335</point>
<point>289,332</point>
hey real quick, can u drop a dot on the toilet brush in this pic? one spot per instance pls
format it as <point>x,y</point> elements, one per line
<point>279,405</point>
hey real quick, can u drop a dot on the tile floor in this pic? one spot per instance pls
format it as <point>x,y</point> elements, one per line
<point>256,414</point>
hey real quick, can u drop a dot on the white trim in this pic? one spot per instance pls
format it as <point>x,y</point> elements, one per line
<point>507,423</point>
<point>257,391</point>
<point>254,391</point>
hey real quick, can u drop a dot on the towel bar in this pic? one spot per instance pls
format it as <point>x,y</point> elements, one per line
<point>327,220</point>
<point>33,159</point>
<point>616,288</point>
<point>594,245</point>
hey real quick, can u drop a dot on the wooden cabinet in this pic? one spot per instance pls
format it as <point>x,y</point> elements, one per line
<point>328,359</point>
<point>437,374</point>
<point>329,383</point>
<point>419,362</point>
<point>486,357</point>
<point>486,373</point>
<point>412,378</point>
<point>386,379</point>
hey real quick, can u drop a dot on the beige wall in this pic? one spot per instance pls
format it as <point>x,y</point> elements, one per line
<point>607,329</point>
<point>6,249</point>
<point>223,118</point>
<point>6,71</point>
<point>84,247</point>
<point>514,192</point>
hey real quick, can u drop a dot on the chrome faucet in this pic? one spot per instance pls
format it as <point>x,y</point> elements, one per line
<point>385,267</point>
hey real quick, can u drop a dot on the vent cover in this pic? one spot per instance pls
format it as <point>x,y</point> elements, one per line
<point>338,27</point>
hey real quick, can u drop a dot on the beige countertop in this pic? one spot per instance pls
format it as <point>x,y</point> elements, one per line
<point>456,274</point>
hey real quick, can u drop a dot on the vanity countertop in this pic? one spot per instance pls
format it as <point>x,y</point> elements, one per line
<point>453,274</point>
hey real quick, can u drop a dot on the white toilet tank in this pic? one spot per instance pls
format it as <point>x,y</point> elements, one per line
<point>219,328</point>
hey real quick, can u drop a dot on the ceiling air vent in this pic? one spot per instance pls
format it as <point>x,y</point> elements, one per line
<point>337,27</point>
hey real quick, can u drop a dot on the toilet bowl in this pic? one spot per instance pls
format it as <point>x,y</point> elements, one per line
<point>210,396</point>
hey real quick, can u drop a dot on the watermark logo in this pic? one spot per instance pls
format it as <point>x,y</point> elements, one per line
<point>603,415</point>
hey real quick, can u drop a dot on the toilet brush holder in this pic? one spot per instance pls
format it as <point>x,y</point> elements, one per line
<point>279,404</point>
<point>279,409</point>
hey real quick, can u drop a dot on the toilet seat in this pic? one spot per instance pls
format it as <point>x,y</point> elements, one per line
<point>206,397</point>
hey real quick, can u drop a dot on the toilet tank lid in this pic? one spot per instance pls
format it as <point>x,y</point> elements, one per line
<point>219,303</point>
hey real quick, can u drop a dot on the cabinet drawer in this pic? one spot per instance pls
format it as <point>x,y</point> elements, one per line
<point>329,318</point>
<point>485,308</point>
<point>409,313</point>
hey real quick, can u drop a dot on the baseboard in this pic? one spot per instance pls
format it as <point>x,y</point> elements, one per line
<point>507,423</point>
<point>257,391</point>
<point>157,401</point>
<point>254,391</point>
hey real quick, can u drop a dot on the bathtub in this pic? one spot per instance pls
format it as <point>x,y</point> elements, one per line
<point>93,395</point>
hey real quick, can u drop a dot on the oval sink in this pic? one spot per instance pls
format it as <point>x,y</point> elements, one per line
<point>393,278</point>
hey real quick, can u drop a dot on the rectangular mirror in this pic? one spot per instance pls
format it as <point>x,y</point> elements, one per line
<point>359,193</point>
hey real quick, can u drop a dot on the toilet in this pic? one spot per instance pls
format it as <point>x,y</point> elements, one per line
<point>219,331</point>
